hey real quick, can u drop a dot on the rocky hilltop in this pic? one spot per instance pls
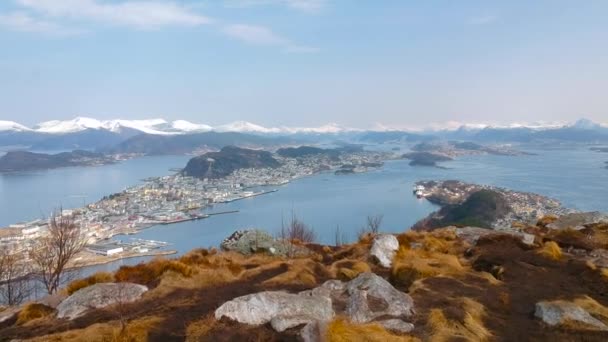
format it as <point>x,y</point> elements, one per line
<point>27,161</point>
<point>486,206</point>
<point>442,285</point>
<point>230,158</point>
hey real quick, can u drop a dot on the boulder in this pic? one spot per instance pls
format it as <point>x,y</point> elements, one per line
<point>370,297</point>
<point>559,312</point>
<point>578,220</point>
<point>99,296</point>
<point>364,299</point>
<point>285,310</point>
<point>384,248</point>
<point>258,241</point>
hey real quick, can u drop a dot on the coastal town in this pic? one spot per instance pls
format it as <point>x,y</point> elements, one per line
<point>173,199</point>
<point>524,207</point>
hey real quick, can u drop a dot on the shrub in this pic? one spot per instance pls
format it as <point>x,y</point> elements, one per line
<point>33,311</point>
<point>100,277</point>
<point>551,250</point>
<point>341,330</point>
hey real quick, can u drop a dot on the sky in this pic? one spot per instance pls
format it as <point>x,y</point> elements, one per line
<point>390,63</point>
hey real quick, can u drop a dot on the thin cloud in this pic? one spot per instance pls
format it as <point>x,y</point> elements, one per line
<point>300,5</point>
<point>263,36</point>
<point>483,20</point>
<point>136,14</point>
<point>253,34</point>
<point>23,22</point>
<point>48,17</point>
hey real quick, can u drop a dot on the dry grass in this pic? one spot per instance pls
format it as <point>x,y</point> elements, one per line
<point>299,272</point>
<point>469,328</point>
<point>551,250</point>
<point>593,307</point>
<point>100,277</point>
<point>34,311</point>
<point>151,272</point>
<point>341,330</point>
<point>411,265</point>
<point>135,331</point>
<point>199,329</point>
<point>348,269</point>
<point>604,273</point>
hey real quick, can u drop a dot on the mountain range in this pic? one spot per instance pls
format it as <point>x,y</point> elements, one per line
<point>117,135</point>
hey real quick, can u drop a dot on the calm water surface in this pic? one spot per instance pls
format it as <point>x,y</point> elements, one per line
<point>324,201</point>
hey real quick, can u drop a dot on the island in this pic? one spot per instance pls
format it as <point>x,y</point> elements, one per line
<point>466,204</point>
<point>17,161</point>
<point>426,158</point>
<point>454,149</point>
<point>600,149</point>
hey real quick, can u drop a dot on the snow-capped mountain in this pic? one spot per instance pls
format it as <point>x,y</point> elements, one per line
<point>82,123</point>
<point>12,126</point>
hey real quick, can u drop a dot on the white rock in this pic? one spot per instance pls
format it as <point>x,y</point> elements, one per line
<point>261,308</point>
<point>558,312</point>
<point>384,248</point>
<point>99,296</point>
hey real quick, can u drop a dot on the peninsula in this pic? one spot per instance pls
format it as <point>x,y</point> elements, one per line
<point>16,161</point>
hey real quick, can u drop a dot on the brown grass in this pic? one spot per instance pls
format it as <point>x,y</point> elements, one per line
<point>593,307</point>
<point>411,265</point>
<point>134,331</point>
<point>34,311</point>
<point>348,269</point>
<point>341,330</point>
<point>551,250</point>
<point>100,277</point>
<point>469,327</point>
<point>302,272</point>
<point>151,272</point>
<point>199,329</point>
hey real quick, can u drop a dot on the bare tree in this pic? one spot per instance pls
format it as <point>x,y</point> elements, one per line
<point>56,249</point>
<point>15,284</point>
<point>373,223</point>
<point>339,236</point>
<point>298,230</point>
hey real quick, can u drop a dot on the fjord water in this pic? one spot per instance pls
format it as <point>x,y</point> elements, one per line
<point>324,201</point>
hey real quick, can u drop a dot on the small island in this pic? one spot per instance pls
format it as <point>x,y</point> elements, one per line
<point>18,161</point>
<point>426,159</point>
<point>599,149</point>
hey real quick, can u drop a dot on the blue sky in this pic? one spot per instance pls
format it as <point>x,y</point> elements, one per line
<point>304,62</point>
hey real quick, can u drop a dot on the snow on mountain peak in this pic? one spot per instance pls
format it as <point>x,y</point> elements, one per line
<point>187,126</point>
<point>12,126</point>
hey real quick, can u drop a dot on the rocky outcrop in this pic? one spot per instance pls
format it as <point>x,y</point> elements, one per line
<point>472,234</point>
<point>363,299</point>
<point>558,312</point>
<point>384,248</point>
<point>99,296</point>
<point>284,310</point>
<point>258,241</point>
<point>578,220</point>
